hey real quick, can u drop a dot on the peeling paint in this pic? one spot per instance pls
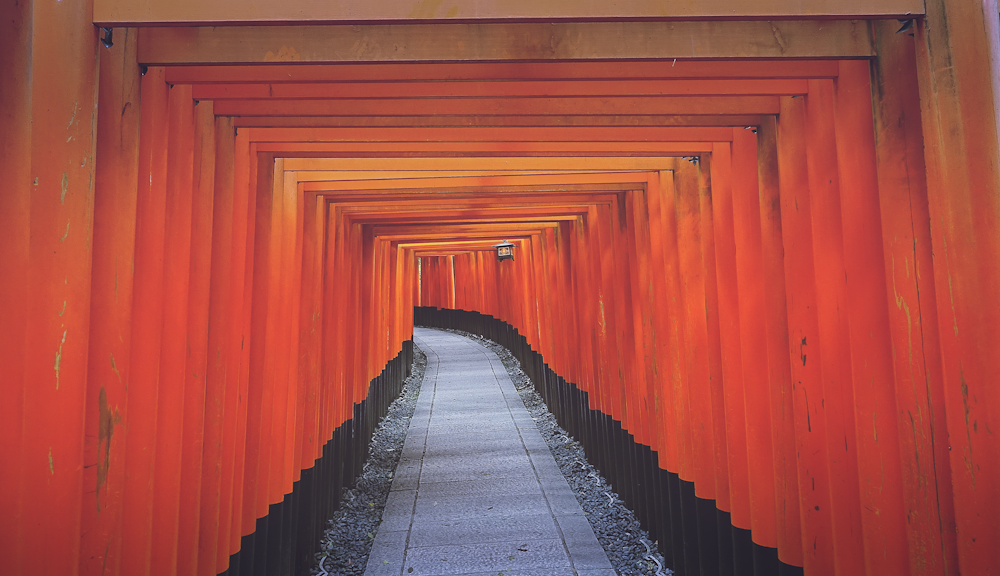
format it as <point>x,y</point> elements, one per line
<point>63,311</point>
<point>72,118</point>
<point>115,368</point>
<point>59,358</point>
<point>968,433</point>
<point>107,420</point>
<point>808,415</point>
<point>66,234</point>
<point>875,426</point>
<point>425,9</point>
<point>52,467</point>
<point>65,187</point>
<point>285,54</point>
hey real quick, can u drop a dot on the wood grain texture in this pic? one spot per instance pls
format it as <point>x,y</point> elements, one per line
<point>506,41</point>
<point>234,11</point>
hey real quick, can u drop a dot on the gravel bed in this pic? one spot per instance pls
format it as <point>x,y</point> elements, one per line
<point>616,527</point>
<point>348,540</point>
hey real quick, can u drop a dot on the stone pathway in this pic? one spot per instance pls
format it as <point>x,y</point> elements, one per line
<point>477,491</point>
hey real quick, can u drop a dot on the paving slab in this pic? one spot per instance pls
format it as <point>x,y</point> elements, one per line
<point>477,491</point>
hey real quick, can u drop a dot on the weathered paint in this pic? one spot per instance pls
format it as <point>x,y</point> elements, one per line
<point>767,320</point>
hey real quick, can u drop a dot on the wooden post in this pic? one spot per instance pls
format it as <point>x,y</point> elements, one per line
<point>957,58</point>
<point>883,515</point>
<point>786,487</point>
<point>116,183</point>
<point>913,312</point>
<point>147,323</point>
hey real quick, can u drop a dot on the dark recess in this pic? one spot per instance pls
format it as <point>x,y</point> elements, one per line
<point>285,541</point>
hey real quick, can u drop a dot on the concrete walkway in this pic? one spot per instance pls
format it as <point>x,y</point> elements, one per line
<point>477,491</point>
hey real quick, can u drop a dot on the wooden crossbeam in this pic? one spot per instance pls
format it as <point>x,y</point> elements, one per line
<point>494,134</point>
<point>508,89</point>
<point>485,163</point>
<point>444,149</point>
<point>636,105</point>
<point>506,42</point>
<point>502,71</point>
<point>304,11</point>
<point>440,182</point>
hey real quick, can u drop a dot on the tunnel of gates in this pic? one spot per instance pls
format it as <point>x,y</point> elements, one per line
<point>756,251</point>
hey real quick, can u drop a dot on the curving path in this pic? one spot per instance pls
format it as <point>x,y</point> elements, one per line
<point>477,491</point>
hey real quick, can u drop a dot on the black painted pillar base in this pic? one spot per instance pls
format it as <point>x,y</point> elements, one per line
<point>285,541</point>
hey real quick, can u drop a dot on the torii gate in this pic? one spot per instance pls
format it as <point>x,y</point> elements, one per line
<point>763,237</point>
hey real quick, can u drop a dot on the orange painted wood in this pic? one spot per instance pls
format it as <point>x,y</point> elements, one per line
<point>605,283</point>
<point>481,106</point>
<point>883,513</point>
<point>15,239</point>
<point>913,316</point>
<point>664,254</point>
<point>173,345</point>
<point>230,513</point>
<point>695,394</point>
<point>753,336</point>
<point>197,358</point>
<point>802,325</point>
<point>511,89</point>
<point>637,231</point>
<point>675,400</point>
<point>115,198</point>
<point>310,378</point>
<point>260,390</point>
<point>220,321</point>
<point>300,11</point>
<point>501,71</point>
<point>833,346</point>
<point>784,457</point>
<point>63,80</point>
<point>489,134</point>
<point>715,409</point>
<point>146,329</point>
<point>569,318</point>
<point>493,121</point>
<point>246,185</point>
<point>585,251</point>
<point>730,445</point>
<point>622,301</point>
<point>814,505</point>
<point>390,149</point>
<point>957,55</point>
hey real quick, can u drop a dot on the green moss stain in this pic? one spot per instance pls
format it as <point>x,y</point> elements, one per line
<point>52,467</point>
<point>968,433</point>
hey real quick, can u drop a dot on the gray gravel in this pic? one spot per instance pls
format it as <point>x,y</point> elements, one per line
<point>348,541</point>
